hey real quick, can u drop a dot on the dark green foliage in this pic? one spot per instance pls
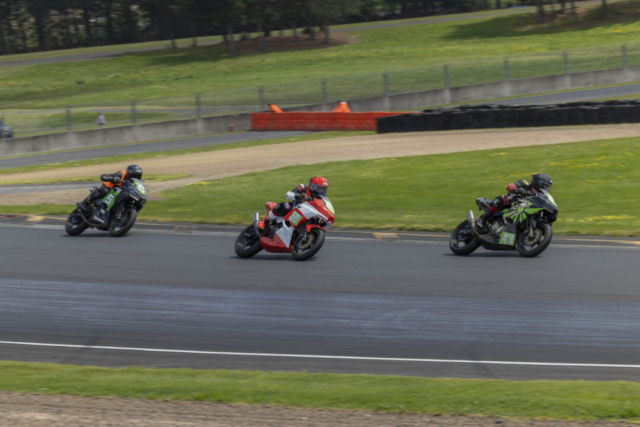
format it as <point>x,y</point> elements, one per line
<point>38,25</point>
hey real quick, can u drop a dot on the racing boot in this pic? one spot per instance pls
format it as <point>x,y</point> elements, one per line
<point>270,226</point>
<point>83,206</point>
<point>481,222</point>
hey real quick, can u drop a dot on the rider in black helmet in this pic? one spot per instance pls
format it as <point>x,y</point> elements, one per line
<point>539,182</point>
<point>108,182</point>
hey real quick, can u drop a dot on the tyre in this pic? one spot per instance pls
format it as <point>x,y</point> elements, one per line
<point>120,226</point>
<point>75,225</point>
<point>307,245</point>
<point>463,240</point>
<point>248,243</point>
<point>530,247</point>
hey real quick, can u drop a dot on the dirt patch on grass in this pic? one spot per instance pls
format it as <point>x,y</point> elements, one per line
<point>32,410</point>
<point>225,163</point>
<point>588,16</point>
<point>285,43</point>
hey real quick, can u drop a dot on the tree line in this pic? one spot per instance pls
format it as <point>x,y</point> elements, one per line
<point>39,25</point>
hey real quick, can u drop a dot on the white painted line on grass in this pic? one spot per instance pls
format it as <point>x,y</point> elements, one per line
<point>310,356</point>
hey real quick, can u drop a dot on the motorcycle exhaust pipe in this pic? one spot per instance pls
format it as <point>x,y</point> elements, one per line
<point>472,220</point>
<point>256,220</point>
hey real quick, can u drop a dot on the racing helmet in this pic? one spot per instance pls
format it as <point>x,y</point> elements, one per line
<point>318,186</point>
<point>134,172</point>
<point>541,181</point>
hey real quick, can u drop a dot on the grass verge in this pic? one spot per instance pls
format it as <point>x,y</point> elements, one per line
<point>147,178</point>
<point>130,157</point>
<point>596,188</point>
<point>528,399</point>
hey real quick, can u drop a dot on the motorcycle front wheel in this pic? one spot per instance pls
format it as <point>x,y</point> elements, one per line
<point>308,244</point>
<point>75,225</point>
<point>248,243</point>
<point>121,224</point>
<point>534,245</point>
<point>463,240</point>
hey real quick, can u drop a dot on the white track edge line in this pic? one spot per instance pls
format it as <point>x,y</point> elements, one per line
<point>309,356</point>
<point>346,239</point>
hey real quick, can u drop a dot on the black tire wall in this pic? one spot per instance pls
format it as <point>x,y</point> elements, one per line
<point>513,116</point>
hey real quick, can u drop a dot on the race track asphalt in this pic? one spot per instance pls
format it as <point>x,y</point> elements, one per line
<point>147,147</point>
<point>175,295</point>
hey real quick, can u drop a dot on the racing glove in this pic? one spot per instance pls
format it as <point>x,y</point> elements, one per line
<point>520,191</point>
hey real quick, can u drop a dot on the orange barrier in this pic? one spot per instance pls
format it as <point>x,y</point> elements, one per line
<point>316,121</point>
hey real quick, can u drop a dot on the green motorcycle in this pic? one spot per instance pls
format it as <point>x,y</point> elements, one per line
<point>116,212</point>
<point>524,227</point>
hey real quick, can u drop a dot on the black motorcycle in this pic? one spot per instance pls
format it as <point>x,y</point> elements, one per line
<point>525,227</point>
<point>116,212</point>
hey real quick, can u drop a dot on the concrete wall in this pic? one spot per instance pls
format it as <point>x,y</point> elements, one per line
<point>399,102</point>
<point>123,134</point>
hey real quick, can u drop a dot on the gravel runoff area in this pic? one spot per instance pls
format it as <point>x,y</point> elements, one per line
<point>225,163</point>
<point>33,410</point>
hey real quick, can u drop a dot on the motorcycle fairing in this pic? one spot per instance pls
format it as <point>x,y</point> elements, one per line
<point>490,243</point>
<point>280,243</point>
<point>111,196</point>
<point>508,239</point>
<point>520,212</point>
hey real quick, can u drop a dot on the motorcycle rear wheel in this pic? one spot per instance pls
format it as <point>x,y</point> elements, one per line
<point>248,243</point>
<point>75,225</point>
<point>469,244</point>
<point>542,231</point>
<point>119,228</point>
<point>307,246</point>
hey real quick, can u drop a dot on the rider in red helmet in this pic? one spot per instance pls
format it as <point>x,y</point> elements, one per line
<point>317,188</point>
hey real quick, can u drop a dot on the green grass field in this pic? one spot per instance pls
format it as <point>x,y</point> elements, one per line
<point>597,400</point>
<point>421,49</point>
<point>207,39</point>
<point>596,188</point>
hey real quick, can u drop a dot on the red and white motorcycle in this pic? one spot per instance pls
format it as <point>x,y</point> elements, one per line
<point>300,232</point>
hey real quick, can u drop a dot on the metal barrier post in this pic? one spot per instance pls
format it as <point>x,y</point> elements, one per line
<point>325,96</point>
<point>385,83</point>
<point>625,57</point>
<point>447,84</point>
<point>507,72</point>
<point>261,96</point>
<point>198,106</point>
<point>507,78</point>
<point>565,56</point>
<point>134,116</point>
<point>69,124</point>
